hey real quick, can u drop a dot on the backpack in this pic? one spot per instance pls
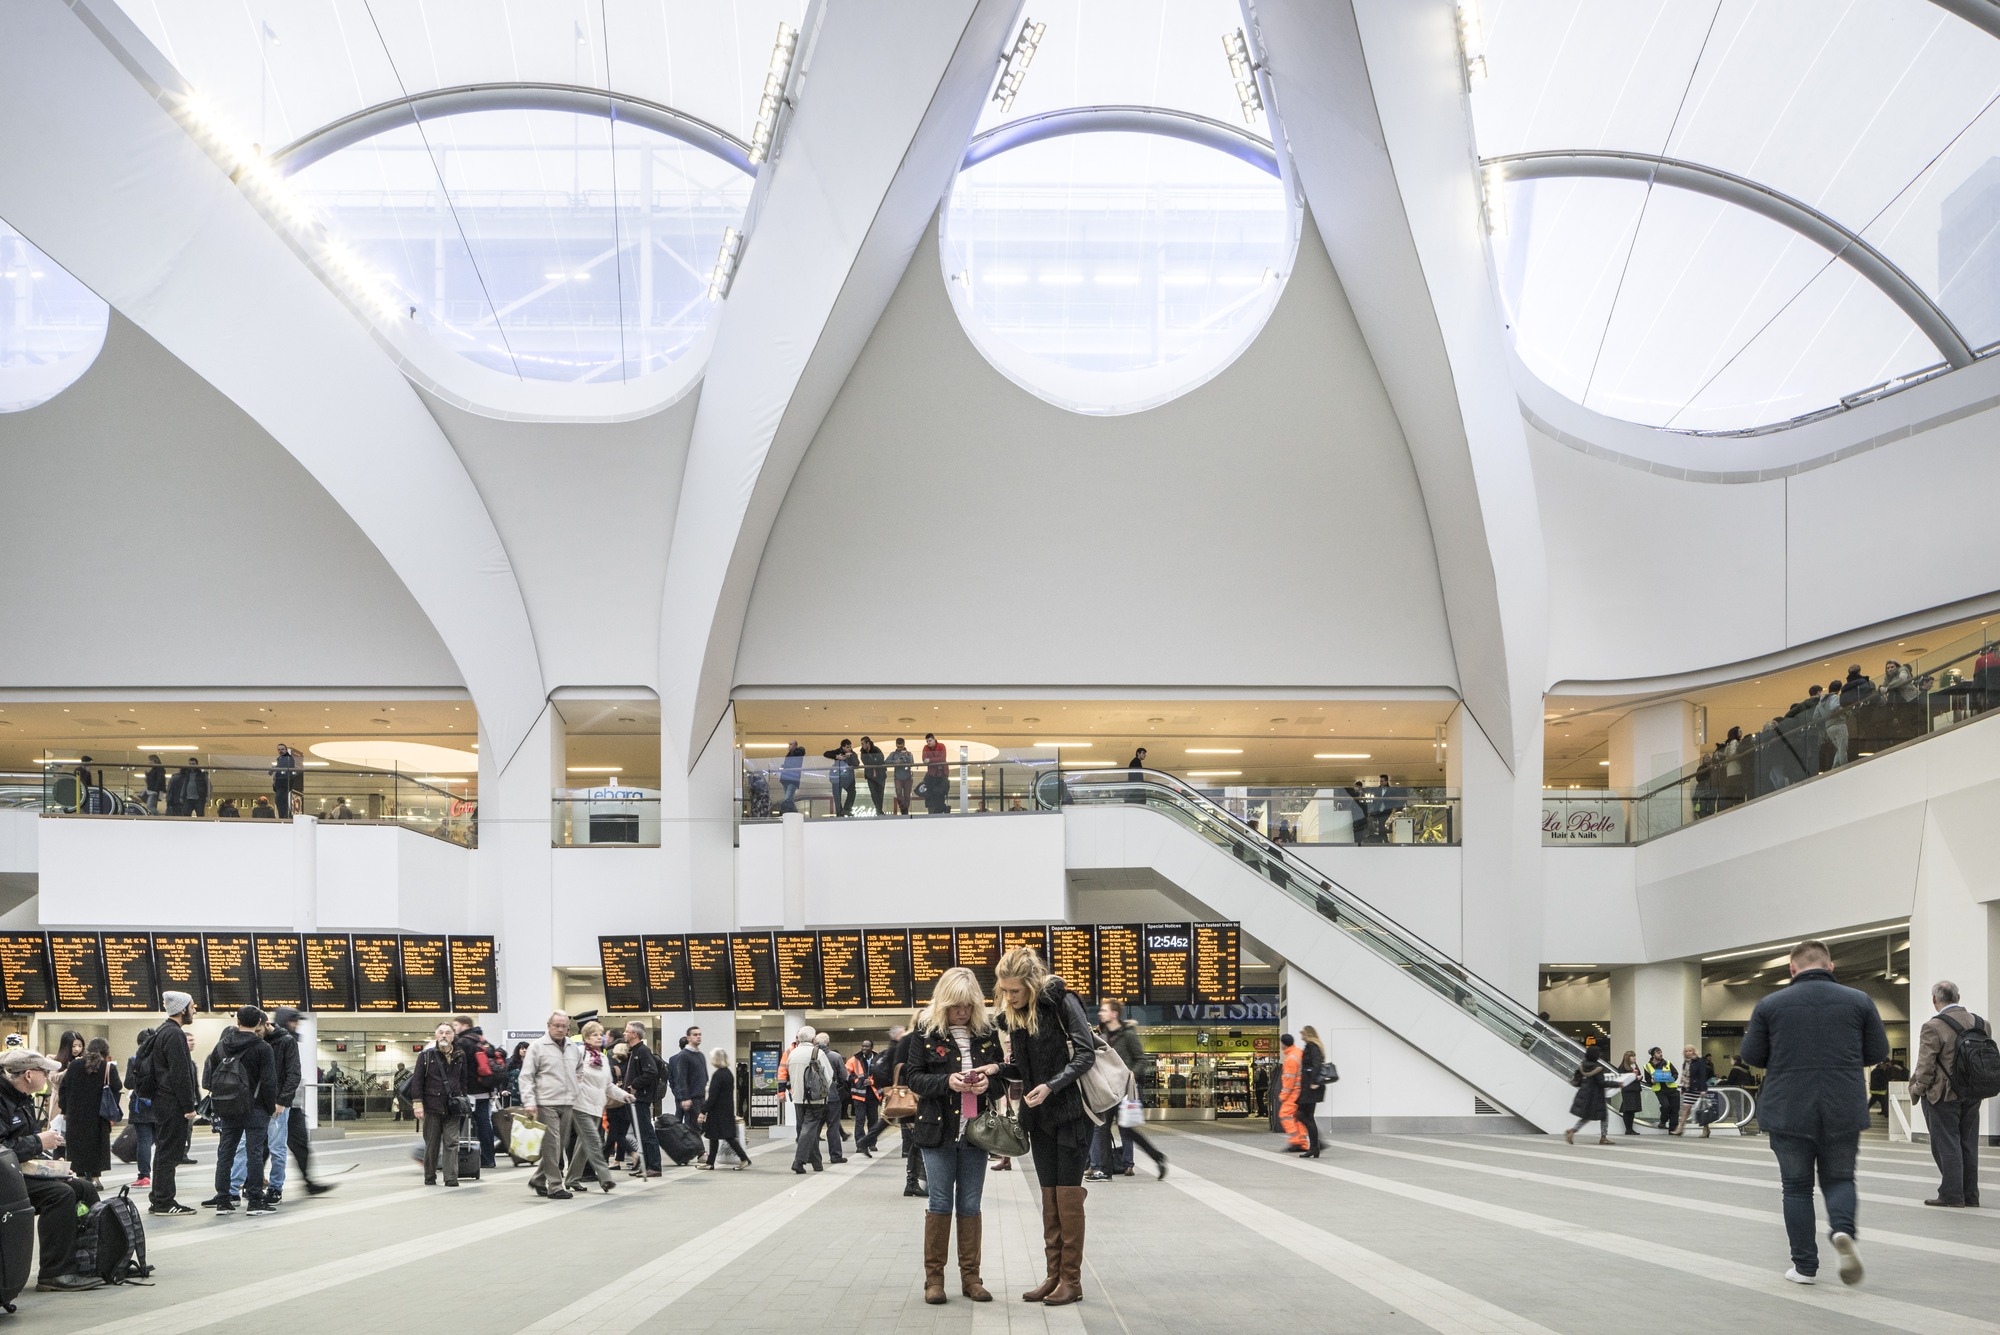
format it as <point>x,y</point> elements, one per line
<point>816,1081</point>
<point>491,1068</point>
<point>111,1242</point>
<point>145,1072</point>
<point>229,1088</point>
<point>1975,1064</point>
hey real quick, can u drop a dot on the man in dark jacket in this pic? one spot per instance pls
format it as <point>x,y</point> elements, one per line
<point>277,1137</point>
<point>163,1070</point>
<point>187,791</point>
<point>1815,1040</point>
<point>1950,1110</point>
<point>156,784</point>
<point>1106,1160</point>
<point>242,1082</point>
<point>687,1077</point>
<point>471,1041</point>
<point>644,1077</point>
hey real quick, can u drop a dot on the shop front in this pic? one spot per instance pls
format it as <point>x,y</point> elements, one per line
<point>1205,1062</point>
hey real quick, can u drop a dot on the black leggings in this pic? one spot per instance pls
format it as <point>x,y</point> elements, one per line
<point>1057,1164</point>
<point>1311,1125</point>
<point>733,1142</point>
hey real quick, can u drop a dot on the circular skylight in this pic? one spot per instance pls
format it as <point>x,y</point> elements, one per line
<point>1110,272</point>
<point>51,326</point>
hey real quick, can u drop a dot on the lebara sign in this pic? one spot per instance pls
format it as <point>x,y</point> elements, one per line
<point>1582,821</point>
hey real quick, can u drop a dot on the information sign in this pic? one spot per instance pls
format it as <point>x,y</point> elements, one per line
<point>931,953</point>
<point>1118,974</point>
<point>624,961</point>
<point>182,965</point>
<point>232,969</point>
<point>128,972</point>
<point>887,951</point>
<point>842,974</point>
<point>329,972</point>
<point>1218,963</point>
<point>76,964</point>
<point>1169,951</point>
<point>1072,952</point>
<point>667,973</point>
<point>754,960</point>
<point>378,974</point>
<point>475,982</point>
<point>798,970</point>
<point>979,951</point>
<point>281,972</point>
<point>711,981</point>
<point>24,964</point>
<point>426,985</point>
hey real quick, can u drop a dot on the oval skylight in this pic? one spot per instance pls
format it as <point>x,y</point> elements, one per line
<point>51,326</point>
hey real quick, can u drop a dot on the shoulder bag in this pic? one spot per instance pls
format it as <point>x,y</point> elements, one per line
<point>998,1131</point>
<point>107,1099</point>
<point>899,1101</point>
<point>1106,1083</point>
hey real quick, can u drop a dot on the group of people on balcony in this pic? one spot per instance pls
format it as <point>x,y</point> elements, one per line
<point>883,771</point>
<point>1843,721</point>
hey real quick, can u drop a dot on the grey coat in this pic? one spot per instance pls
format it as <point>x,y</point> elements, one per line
<point>1815,1041</point>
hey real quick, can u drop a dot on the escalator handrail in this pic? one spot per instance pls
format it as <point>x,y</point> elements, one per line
<point>1202,806</point>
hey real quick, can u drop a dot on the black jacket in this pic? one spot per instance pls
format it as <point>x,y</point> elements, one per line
<point>1589,1101</point>
<point>933,1059</point>
<point>1698,1074</point>
<point>1815,1040</point>
<point>171,1066</point>
<point>156,779</point>
<point>718,1115</point>
<point>687,1075</point>
<point>1311,1090</point>
<point>1060,1050</point>
<point>440,1077</point>
<point>285,1065</point>
<point>873,763</point>
<point>643,1073</point>
<point>20,1129</point>
<point>253,1054</point>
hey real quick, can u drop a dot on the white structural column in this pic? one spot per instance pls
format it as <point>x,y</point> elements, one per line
<point>1369,97</point>
<point>888,95</point>
<point>513,871</point>
<point>305,918</point>
<point>1650,742</point>
<point>96,172</point>
<point>1953,934</point>
<point>1656,1006</point>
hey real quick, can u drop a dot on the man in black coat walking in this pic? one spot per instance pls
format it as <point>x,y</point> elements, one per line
<point>163,1071</point>
<point>1816,1040</point>
<point>242,1083</point>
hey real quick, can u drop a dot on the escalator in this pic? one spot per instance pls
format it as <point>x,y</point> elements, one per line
<point>1388,973</point>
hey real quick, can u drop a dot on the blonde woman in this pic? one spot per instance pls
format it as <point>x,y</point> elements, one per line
<point>1312,1087</point>
<point>950,1066</point>
<point>593,1092</point>
<point>1050,1046</point>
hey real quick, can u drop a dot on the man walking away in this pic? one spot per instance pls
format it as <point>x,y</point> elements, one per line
<point>643,1074</point>
<point>1107,1162</point>
<point>1289,1072</point>
<point>836,1097</point>
<point>242,1087</point>
<point>485,1071</point>
<point>1816,1040</point>
<point>810,1081</point>
<point>1958,1067</point>
<point>687,1075</point>
<point>548,1095</point>
<point>278,1137</point>
<point>163,1071</point>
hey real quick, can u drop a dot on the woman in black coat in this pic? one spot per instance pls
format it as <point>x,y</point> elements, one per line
<point>86,1131</point>
<point>718,1114</point>
<point>1628,1097</point>
<point>1588,1105</point>
<point>1051,1046</point>
<point>1312,1088</point>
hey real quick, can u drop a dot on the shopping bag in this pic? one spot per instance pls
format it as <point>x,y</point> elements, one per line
<point>1131,1113</point>
<point>524,1138</point>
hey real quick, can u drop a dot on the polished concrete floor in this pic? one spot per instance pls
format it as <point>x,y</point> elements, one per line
<point>1383,1233</point>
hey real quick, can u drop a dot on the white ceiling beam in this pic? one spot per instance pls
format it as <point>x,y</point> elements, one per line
<point>888,96</point>
<point>95,171</point>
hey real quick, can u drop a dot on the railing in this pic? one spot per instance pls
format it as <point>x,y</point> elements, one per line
<point>119,789</point>
<point>1375,931</point>
<point>605,822</point>
<point>20,790</point>
<point>1313,808</point>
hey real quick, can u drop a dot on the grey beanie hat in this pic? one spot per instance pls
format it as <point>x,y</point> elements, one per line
<point>173,1003</point>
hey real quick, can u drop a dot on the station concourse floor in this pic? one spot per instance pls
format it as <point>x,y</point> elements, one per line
<point>1383,1233</point>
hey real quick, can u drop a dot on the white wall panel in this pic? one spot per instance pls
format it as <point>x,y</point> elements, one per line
<point>1590,906</point>
<point>1418,887</point>
<point>608,891</point>
<point>18,830</point>
<point>975,534</point>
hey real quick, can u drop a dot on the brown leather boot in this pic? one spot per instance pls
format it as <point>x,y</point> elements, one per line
<point>937,1243</point>
<point>1069,1208</point>
<point>1051,1248</point>
<point>968,1259</point>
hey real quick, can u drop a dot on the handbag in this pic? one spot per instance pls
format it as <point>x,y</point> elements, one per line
<point>899,1102</point>
<point>524,1138</point>
<point>1131,1113</point>
<point>998,1131</point>
<point>125,1145</point>
<point>107,1104</point>
<point>1106,1083</point>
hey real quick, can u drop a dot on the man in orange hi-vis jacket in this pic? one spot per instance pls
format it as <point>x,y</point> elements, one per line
<point>1288,1092</point>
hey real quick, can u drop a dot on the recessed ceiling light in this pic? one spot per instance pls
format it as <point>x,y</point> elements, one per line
<point>1214,751</point>
<point>1343,755</point>
<point>1079,745</point>
<point>596,769</point>
<point>1604,762</point>
<point>1213,773</point>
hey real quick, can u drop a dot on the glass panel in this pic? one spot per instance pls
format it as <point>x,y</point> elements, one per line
<point>51,326</point>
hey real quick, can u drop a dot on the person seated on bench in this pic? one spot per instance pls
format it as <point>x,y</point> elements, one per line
<point>24,1074</point>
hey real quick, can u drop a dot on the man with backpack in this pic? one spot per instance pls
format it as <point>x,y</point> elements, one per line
<point>24,1074</point>
<point>242,1087</point>
<point>163,1071</point>
<point>287,1075</point>
<point>485,1076</point>
<point>810,1080</point>
<point>1958,1068</point>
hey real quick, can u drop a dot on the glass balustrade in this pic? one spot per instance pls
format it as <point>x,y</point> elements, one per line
<point>1291,874</point>
<point>224,788</point>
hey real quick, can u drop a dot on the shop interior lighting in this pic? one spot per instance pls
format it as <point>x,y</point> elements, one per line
<point>1213,773</point>
<point>764,136</point>
<point>1213,751</point>
<point>1343,755</point>
<point>596,769</point>
<point>1079,745</point>
<point>1903,926</point>
<point>766,746</point>
<point>1244,71</point>
<point>1014,64</point>
<point>726,260</point>
<point>1472,40</point>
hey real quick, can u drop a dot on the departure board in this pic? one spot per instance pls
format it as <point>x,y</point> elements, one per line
<point>798,970</point>
<point>378,974</point>
<point>329,972</point>
<point>1218,961</point>
<point>843,982</point>
<point>624,961</point>
<point>1071,951</point>
<point>232,969</point>
<point>426,983</point>
<point>711,982</point>
<point>128,972</point>
<point>1169,953</point>
<point>931,953</point>
<point>1118,976</point>
<point>24,964</point>
<point>755,963</point>
<point>979,951</point>
<point>76,966</point>
<point>475,979</point>
<point>666,973</point>
<point>888,956</point>
<point>1035,938</point>
<point>182,966</point>
<point>281,972</point>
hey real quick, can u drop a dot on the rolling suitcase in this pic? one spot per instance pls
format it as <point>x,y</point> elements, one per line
<point>17,1231</point>
<point>677,1142</point>
<point>468,1150</point>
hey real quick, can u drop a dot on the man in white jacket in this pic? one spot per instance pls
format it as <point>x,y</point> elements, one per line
<point>808,1105</point>
<point>548,1094</point>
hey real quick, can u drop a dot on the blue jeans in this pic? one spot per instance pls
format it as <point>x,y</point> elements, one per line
<point>246,1138</point>
<point>144,1132</point>
<point>1834,1157</point>
<point>276,1140</point>
<point>957,1170</point>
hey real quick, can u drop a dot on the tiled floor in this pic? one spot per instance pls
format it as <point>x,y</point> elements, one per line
<point>1384,1233</point>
